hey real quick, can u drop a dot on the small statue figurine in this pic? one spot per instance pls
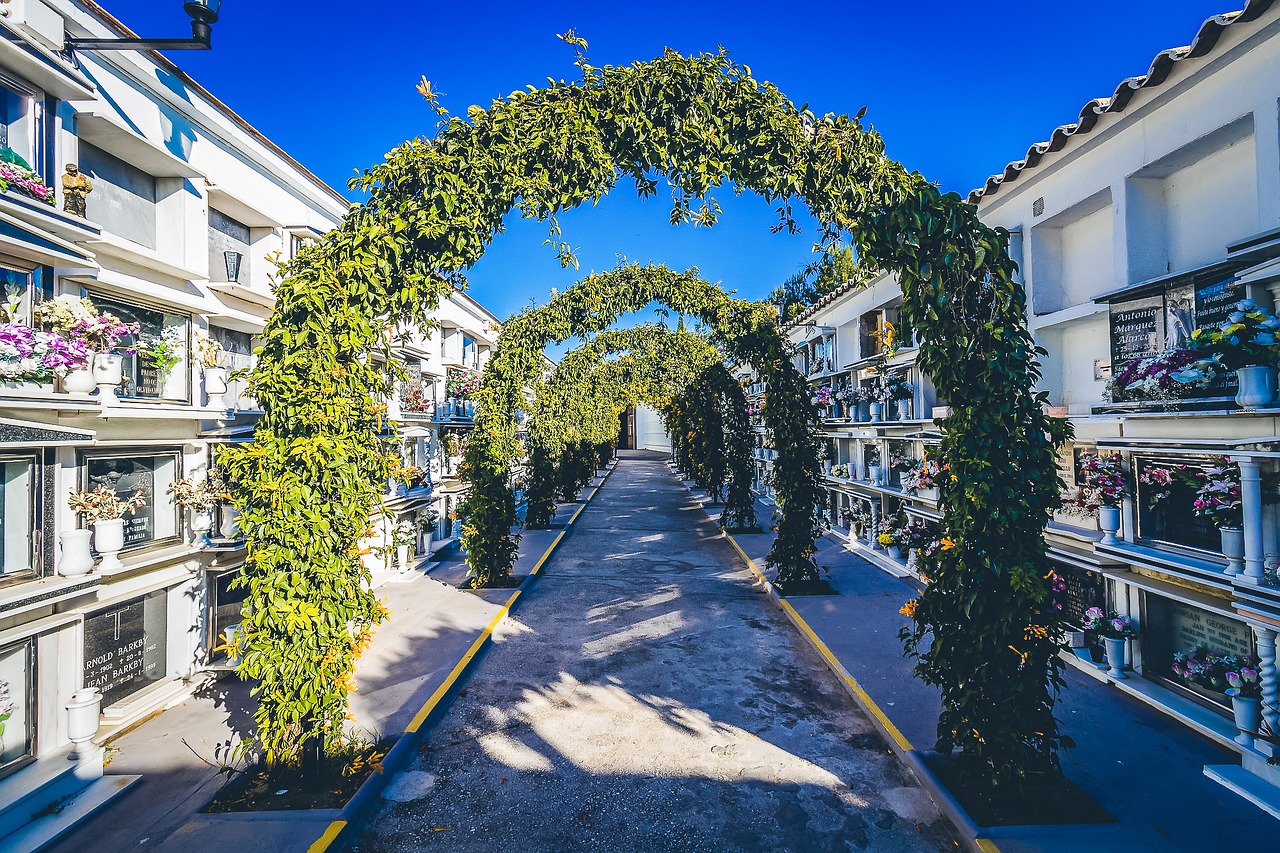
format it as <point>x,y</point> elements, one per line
<point>75,189</point>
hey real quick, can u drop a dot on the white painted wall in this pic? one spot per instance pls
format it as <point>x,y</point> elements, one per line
<point>650,432</point>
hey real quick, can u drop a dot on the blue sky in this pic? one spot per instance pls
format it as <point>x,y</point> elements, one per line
<point>957,90</point>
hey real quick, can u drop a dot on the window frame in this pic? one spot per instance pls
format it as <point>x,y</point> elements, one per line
<point>83,459</point>
<point>97,297</point>
<point>37,99</point>
<point>35,571</point>
<point>32,708</point>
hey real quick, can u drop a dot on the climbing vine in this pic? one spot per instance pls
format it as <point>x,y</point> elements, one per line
<point>748,333</point>
<point>310,482</point>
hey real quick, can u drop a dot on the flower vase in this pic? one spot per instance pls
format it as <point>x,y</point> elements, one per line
<point>402,557</point>
<point>864,411</point>
<point>229,522</point>
<point>826,467</point>
<point>1109,521</point>
<point>1233,548</point>
<point>913,559</point>
<point>108,540</point>
<point>895,553</point>
<point>1256,387</point>
<point>108,373</point>
<point>904,410</point>
<point>76,559</point>
<point>873,474</point>
<point>426,543</point>
<point>876,411</point>
<point>84,713</point>
<point>215,386</point>
<point>1115,656</point>
<point>1248,711</point>
<point>80,381</point>
<point>201,522</point>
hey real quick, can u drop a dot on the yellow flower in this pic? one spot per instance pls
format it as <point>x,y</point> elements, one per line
<point>909,609</point>
<point>947,543</point>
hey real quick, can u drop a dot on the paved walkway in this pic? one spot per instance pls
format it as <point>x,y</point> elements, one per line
<point>177,752</point>
<point>1138,763</point>
<point>648,697</point>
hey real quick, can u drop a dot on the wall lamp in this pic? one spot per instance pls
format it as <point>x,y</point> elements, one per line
<point>204,14</point>
<point>233,260</point>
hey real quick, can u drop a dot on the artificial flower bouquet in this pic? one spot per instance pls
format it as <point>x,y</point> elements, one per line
<point>1247,338</point>
<point>103,504</point>
<point>1108,624</point>
<point>1218,497</point>
<point>1209,670</point>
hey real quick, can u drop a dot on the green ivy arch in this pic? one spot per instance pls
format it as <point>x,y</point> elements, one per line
<point>311,480</point>
<point>749,334</point>
<point>589,389</point>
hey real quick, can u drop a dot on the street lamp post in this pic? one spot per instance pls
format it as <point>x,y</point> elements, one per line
<point>204,14</point>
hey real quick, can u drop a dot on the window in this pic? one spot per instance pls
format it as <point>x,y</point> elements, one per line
<point>160,369</point>
<point>23,286</point>
<point>148,472</point>
<point>225,604</point>
<point>17,706</point>
<point>1175,627</point>
<point>18,496</point>
<point>1165,493</point>
<point>238,349</point>
<point>21,123</point>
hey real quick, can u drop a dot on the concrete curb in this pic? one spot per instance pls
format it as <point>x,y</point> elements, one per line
<point>969,832</point>
<point>406,746</point>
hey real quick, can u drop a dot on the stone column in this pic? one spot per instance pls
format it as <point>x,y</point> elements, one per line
<point>1251,498</point>
<point>1266,640</point>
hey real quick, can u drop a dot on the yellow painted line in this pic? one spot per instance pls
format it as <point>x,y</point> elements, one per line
<point>456,673</point>
<point>831,659</point>
<point>834,663</point>
<point>986,845</point>
<point>546,555</point>
<point>330,835</point>
<point>334,829</point>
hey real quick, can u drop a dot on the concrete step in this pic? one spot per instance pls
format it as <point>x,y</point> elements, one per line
<point>50,780</point>
<point>59,817</point>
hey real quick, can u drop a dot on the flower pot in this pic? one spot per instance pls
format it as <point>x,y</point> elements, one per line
<point>873,473</point>
<point>108,541</point>
<point>426,543</point>
<point>402,557</point>
<point>232,637</point>
<point>877,411</point>
<point>904,410</point>
<point>84,713</point>
<point>201,522</point>
<point>76,560</point>
<point>1257,386</point>
<point>1233,548</point>
<point>215,386</point>
<point>895,553</point>
<point>229,522</point>
<point>108,373</point>
<point>826,467</point>
<point>1248,711</point>
<point>930,494</point>
<point>864,411</point>
<point>1115,656</point>
<point>1109,521</point>
<point>79,381</point>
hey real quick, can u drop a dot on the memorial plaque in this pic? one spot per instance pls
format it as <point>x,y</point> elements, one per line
<point>1174,627</point>
<point>127,476</point>
<point>1215,301</point>
<point>125,648</point>
<point>1085,589</point>
<point>149,382</point>
<point>1137,330</point>
<point>1173,519</point>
